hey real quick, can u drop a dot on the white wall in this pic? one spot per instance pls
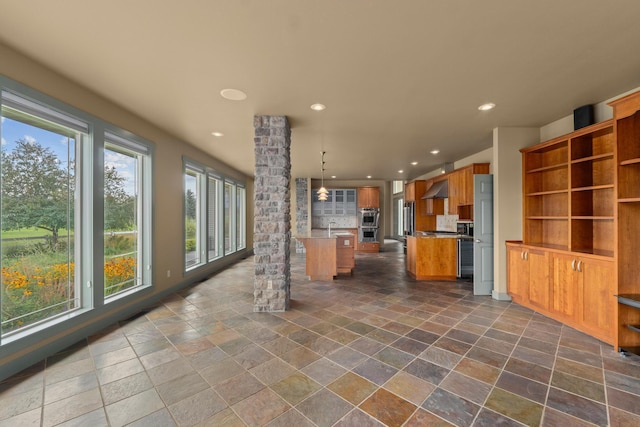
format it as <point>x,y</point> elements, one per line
<point>507,196</point>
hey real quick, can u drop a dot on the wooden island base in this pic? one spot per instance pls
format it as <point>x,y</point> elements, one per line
<point>431,258</point>
<point>326,256</point>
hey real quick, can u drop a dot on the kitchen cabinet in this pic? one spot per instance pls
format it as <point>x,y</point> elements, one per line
<point>320,257</point>
<point>432,258</point>
<point>345,247</point>
<point>410,191</point>
<point>460,184</point>
<point>454,189</point>
<point>368,197</point>
<point>368,247</point>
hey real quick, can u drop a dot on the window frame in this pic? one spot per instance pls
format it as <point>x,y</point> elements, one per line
<point>89,246</point>
<point>237,243</point>
<point>131,144</point>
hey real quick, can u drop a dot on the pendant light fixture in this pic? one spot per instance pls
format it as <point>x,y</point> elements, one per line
<point>322,192</point>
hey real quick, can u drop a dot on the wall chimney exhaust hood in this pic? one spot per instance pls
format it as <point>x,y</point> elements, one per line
<point>439,190</point>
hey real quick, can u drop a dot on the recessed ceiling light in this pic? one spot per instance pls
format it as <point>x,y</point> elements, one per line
<point>434,152</point>
<point>217,134</point>
<point>233,94</point>
<point>368,176</point>
<point>414,163</point>
<point>318,107</point>
<point>400,171</point>
<point>333,176</point>
<point>486,107</point>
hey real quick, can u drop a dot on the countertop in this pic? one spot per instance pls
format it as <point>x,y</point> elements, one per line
<point>318,233</point>
<point>438,235</point>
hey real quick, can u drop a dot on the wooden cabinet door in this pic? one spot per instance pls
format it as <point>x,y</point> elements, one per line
<point>539,289</point>
<point>597,302</point>
<point>517,274</point>
<point>409,192</point>
<point>565,286</point>
<point>368,197</point>
<point>467,187</point>
<point>453,192</point>
<point>411,255</point>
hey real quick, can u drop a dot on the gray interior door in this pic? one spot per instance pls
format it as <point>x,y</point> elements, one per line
<point>483,234</point>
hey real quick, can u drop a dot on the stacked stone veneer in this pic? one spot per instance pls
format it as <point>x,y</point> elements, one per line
<point>272,222</point>
<point>302,211</point>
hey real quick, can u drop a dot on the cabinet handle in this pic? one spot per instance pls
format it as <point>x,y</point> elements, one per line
<point>573,265</point>
<point>580,266</point>
<point>526,255</point>
<point>522,255</point>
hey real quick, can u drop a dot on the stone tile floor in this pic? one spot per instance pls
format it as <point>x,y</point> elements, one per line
<point>373,349</point>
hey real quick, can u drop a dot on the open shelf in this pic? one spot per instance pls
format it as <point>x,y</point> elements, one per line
<point>592,158</point>
<point>549,168</point>
<point>547,157</point>
<point>593,187</point>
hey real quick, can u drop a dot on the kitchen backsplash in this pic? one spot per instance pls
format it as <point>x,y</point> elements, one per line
<point>446,222</point>
<point>338,221</point>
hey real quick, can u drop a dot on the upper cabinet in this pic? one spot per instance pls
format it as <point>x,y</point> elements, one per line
<point>368,197</point>
<point>410,191</point>
<point>461,189</point>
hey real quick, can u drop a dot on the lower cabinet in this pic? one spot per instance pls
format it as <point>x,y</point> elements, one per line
<point>517,274</point>
<point>528,276</point>
<point>539,290</point>
<point>344,253</point>
<point>575,289</point>
<point>368,247</point>
<point>565,287</point>
<point>598,303</point>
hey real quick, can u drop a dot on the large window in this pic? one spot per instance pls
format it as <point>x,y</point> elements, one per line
<point>215,215</point>
<point>193,220</point>
<point>126,217</point>
<point>229,217</point>
<point>39,213</point>
<point>50,233</point>
<point>241,218</point>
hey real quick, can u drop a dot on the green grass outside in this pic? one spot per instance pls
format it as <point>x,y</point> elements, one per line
<point>29,232</point>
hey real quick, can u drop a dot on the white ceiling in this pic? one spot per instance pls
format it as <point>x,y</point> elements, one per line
<point>399,78</point>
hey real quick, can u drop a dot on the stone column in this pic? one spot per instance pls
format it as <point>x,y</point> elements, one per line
<point>272,222</point>
<point>302,211</point>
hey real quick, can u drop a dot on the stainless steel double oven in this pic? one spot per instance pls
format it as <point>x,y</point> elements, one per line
<point>368,224</point>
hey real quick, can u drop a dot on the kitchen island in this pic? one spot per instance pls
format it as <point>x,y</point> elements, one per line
<point>327,255</point>
<point>432,256</point>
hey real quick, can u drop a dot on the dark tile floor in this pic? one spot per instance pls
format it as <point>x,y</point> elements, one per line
<point>373,349</point>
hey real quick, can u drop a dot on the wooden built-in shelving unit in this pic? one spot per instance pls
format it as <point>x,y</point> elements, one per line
<point>564,265</point>
<point>627,122</point>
